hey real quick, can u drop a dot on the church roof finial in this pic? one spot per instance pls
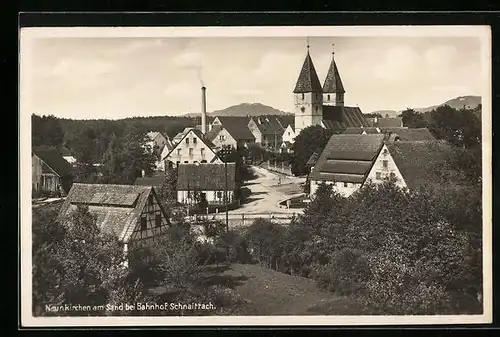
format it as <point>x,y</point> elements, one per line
<point>307,40</point>
<point>333,49</point>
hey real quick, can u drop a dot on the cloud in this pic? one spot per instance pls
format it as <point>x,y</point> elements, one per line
<point>398,62</point>
<point>75,68</point>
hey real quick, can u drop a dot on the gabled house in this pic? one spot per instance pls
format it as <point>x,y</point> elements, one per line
<point>267,131</point>
<point>230,131</point>
<point>133,213</point>
<point>389,122</point>
<point>197,182</point>
<point>288,134</point>
<point>51,173</point>
<point>346,162</point>
<point>193,147</point>
<point>156,141</point>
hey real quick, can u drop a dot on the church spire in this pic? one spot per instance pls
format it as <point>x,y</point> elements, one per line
<point>308,80</point>
<point>333,83</point>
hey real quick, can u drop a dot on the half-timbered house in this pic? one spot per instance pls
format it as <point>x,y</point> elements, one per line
<point>131,212</point>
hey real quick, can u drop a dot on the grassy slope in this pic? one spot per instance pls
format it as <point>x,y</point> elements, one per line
<point>269,292</point>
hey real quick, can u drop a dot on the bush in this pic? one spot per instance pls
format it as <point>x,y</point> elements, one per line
<point>346,273</point>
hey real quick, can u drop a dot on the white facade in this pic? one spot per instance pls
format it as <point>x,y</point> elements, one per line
<point>308,109</point>
<point>212,197</point>
<point>192,149</point>
<point>224,138</point>
<point>343,188</point>
<point>289,134</point>
<point>385,167</point>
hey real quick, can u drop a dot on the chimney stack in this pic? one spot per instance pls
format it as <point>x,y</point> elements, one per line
<point>203,110</point>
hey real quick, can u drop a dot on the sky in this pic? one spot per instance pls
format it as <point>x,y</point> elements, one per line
<point>114,78</point>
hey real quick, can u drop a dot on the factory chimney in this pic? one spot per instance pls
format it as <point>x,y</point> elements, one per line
<point>203,110</point>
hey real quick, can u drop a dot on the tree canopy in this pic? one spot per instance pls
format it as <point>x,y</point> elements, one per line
<point>309,140</point>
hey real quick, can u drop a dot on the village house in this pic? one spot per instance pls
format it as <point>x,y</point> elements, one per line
<point>288,134</point>
<point>156,141</point>
<point>395,133</point>
<point>350,161</point>
<point>267,131</point>
<point>230,131</point>
<point>388,122</point>
<point>51,173</point>
<point>193,147</point>
<point>197,182</point>
<point>133,213</point>
<point>68,156</point>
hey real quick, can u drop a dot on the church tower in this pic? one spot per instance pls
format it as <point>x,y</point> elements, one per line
<point>333,89</point>
<point>308,99</point>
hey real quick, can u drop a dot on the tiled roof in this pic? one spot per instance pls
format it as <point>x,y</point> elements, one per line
<point>423,163</point>
<point>347,158</point>
<point>308,80</point>
<point>393,122</point>
<point>186,132</point>
<point>269,125</point>
<point>341,117</point>
<point>116,207</point>
<point>155,180</point>
<point>333,82</point>
<point>210,135</point>
<point>237,127</point>
<point>358,131</point>
<point>409,134</point>
<point>286,120</point>
<point>152,134</point>
<point>51,157</point>
<point>205,177</point>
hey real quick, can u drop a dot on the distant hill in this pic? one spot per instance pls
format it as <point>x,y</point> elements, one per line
<point>244,109</point>
<point>456,103</point>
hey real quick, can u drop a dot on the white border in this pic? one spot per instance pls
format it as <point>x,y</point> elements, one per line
<point>28,34</point>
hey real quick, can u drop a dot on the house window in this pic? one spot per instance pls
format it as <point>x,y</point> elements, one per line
<point>302,95</point>
<point>289,133</point>
<point>219,195</point>
<point>378,176</point>
<point>346,184</point>
<point>186,162</point>
<point>202,151</point>
<point>221,137</point>
<point>190,151</point>
<point>158,220</point>
<point>328,97</point>
<point>317,108</point>
<point>194,140</point>
<point>150,199</point>
<point>385,152</point>
<point>187,140</point>
<point>178,152</point>
<point>144,224</point>
<point>385,163</point>
<point>203,161</point>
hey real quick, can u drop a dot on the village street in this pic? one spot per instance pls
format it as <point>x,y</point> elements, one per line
<point>267,190</point>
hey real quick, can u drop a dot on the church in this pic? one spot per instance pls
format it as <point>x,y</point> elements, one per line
<point>315,104</point>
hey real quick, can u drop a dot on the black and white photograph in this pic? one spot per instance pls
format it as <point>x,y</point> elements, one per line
<point>255,175</point>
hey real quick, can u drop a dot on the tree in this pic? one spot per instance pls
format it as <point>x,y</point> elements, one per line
<point>74,262</point>
<point>309,140</point>
<point>459,127</point>
<point>413,119</point>
<point>168,189</point>
<point>47,130</point>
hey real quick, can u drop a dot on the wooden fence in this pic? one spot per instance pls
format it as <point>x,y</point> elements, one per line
<point>236,220</point>
<point>278,167</point>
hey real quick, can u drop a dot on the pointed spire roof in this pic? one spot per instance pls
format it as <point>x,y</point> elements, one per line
<point>333,83</point>
<point>308,80</point>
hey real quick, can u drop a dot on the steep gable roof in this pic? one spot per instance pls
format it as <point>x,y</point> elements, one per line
<point>199,135</point>
<point>269,125</point>
<point>308,80</point>
<point>409,134</point>
<point>347,158</point>
<point>237,127</point>
<point>54,160</point>
<point>333,82</point>
<point>117,207</point>
<point>341,117</point>
<point>206,177</point>
<point>423,163</point>
<point>286,121</point>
